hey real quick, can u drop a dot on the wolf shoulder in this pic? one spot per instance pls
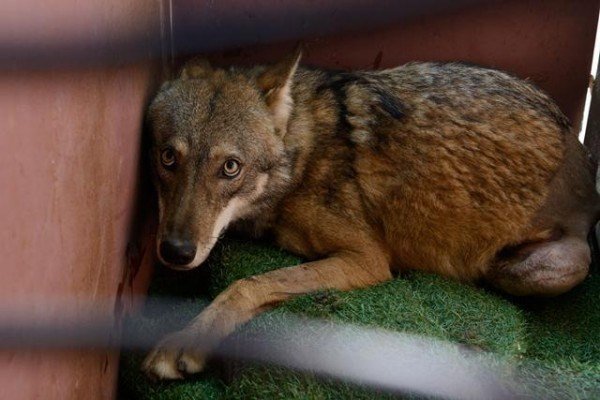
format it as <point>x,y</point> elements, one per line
<point>433,93</point>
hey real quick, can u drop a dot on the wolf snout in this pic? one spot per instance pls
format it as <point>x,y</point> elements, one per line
<point>176,251</point>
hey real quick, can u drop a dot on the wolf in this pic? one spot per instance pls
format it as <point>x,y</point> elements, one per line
<point>451,168</point>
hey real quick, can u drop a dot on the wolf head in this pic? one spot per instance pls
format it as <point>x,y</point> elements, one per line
<point>217,141</point>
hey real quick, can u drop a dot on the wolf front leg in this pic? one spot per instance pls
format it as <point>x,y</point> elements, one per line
<point>185,351</point>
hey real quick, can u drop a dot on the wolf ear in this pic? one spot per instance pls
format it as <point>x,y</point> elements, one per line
<point>276,83</point>
<point>196,69</point>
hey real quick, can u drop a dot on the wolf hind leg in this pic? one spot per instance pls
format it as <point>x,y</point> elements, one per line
<point>542,269</point>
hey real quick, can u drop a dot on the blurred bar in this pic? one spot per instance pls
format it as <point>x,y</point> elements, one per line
<point>62,33</point>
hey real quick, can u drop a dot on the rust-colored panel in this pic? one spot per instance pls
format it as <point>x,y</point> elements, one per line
<point>69,176</point>
<point>550,42</point>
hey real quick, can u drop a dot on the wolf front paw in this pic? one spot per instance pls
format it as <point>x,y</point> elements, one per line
<point>173,358</point>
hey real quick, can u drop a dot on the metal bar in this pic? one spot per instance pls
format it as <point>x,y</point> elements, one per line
<point>69,35</point>
<point>387,361</point>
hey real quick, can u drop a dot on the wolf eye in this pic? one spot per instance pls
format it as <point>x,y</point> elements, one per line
<point>231,168</point>
<point>167,157</point>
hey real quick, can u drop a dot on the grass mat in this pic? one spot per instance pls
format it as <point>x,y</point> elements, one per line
<point>558,336</point>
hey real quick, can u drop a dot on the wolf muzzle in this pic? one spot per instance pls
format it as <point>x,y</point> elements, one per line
<point>176,251</point>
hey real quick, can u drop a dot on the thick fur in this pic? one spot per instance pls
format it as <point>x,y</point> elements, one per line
<point>455,169</point>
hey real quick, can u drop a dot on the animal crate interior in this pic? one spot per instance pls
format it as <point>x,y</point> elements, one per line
<point>81,214</point>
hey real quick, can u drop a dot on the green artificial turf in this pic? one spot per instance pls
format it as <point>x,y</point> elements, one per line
<point>557,336</point>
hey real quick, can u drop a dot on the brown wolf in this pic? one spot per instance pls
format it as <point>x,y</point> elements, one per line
<point>455,169</point>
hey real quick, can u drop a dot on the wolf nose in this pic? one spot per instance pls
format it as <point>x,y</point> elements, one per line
<point>178,252</point>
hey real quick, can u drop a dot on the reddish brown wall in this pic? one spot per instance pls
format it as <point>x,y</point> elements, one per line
<point>549,41</point>
<point>70,141</point>
<point>69,178</point>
